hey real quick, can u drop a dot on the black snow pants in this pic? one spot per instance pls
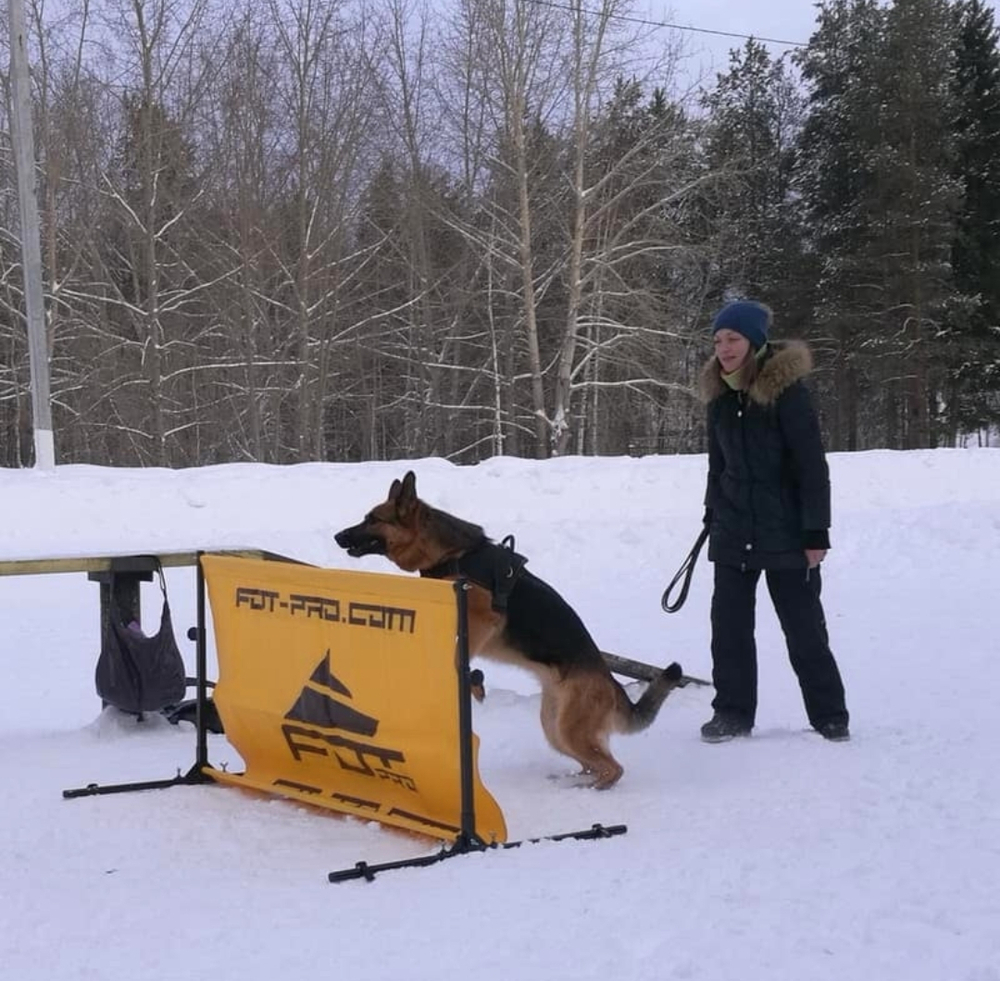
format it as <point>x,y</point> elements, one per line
<point>796,598</point>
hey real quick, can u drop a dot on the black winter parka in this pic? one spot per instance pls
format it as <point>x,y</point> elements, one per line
<point>768,494</point>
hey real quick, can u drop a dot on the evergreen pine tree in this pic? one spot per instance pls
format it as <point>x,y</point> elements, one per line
<point>974,389</point>
<point>836,180</point>
<point>878,179</point>
<point>918,199</point>
<point>755,112</point>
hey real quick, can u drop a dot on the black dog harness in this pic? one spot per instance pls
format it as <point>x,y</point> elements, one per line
<point>496,568</point>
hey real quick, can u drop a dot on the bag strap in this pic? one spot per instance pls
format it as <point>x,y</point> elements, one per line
<point>163,581</point>
<point>115,611</point>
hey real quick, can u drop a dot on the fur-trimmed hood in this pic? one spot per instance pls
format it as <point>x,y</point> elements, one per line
<point>786,363</point>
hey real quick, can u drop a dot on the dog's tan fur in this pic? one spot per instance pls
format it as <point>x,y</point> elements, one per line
<point>582,703</point>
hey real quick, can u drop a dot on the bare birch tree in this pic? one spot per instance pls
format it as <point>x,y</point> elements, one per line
<point>326,93</point>
<point>518,45</point>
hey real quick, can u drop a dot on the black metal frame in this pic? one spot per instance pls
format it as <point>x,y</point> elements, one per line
<point>362,870</point>
<point>196,774</point>
<point>467,841</point>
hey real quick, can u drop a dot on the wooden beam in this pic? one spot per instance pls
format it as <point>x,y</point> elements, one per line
<point>122,563</point>
<point>642,671</point>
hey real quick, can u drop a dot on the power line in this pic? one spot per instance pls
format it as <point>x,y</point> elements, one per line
<point>673,27</point>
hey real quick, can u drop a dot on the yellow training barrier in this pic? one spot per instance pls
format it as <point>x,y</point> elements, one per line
<point>341,689</point>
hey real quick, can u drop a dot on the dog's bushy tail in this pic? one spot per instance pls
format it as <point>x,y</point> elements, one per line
<point>644,711</point>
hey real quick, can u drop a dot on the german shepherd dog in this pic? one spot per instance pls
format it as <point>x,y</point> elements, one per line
<point>516,618</point>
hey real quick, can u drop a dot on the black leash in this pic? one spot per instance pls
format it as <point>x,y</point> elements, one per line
<point>683,573</point>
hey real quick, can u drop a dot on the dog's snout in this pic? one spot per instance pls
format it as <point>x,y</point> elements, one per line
<point>358,540</point>
<point>345,537</point>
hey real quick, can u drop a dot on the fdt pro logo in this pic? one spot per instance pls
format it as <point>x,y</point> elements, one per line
<point>322,724</point>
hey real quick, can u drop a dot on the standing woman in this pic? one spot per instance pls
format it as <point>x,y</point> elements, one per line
<point>768,510</point>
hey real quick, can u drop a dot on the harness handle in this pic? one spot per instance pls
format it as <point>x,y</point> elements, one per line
<point>683,573</point>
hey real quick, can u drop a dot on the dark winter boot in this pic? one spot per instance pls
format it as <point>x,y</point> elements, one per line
<point>836,732</point>
<point>722,727</point>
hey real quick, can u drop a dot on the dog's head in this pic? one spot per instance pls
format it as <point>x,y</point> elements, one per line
<point>387,527</point>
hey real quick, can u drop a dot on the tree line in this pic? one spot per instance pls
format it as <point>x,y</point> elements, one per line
<point>292,230</point>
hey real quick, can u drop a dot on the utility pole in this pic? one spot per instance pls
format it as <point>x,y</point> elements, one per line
<point>22,135</point>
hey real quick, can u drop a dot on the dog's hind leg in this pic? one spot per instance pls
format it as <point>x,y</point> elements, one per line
<point>552,714</point>
<point>577,722</point>
<point>550,720</point>
<point>595,758</point>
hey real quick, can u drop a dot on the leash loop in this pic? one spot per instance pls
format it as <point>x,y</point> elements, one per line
<point>683,576</point>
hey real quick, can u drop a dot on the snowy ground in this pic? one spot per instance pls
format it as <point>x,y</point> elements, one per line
<point>777,857</point>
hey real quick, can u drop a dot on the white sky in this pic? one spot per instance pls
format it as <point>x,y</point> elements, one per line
<point>786,20</point>
<point>778,857</point>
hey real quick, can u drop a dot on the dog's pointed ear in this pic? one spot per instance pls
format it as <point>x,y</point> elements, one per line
<point>407,498</point>
<point>394,490</point>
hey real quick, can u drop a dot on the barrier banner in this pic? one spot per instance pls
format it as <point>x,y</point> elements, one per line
<point>340,689</point>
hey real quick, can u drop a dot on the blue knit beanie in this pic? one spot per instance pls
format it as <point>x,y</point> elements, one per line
<point>746,317</point>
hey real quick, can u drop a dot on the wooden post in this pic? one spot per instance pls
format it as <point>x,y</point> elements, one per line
<point>125,590</point>
<point>122,583</point>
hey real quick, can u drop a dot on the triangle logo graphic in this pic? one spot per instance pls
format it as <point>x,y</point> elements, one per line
<point>317,706</point>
